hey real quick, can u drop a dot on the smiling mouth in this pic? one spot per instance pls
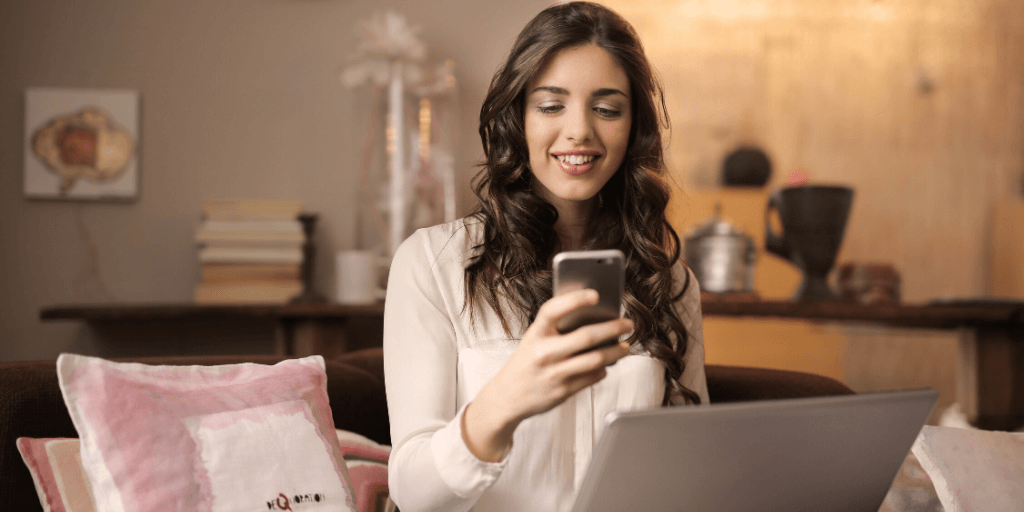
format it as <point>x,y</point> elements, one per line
<point>576,164</point>
<point>576,159</point>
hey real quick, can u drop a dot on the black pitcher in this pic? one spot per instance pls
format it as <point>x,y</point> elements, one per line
<point>813,222</point>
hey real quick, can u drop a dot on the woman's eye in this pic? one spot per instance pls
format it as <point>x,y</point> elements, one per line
<point>607,112</point>
<point>549,109</point>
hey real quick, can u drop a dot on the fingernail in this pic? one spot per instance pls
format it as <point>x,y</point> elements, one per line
<point>593,296</point>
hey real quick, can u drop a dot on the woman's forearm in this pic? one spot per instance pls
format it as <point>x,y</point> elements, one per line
<point>487,428</point>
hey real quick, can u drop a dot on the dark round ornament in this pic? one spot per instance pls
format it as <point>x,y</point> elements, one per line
<point>746,167</point>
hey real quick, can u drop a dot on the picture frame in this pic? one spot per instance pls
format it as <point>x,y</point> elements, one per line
<point>81,144</point>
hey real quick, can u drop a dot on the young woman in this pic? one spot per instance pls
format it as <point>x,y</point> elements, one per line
<point>489,408</point>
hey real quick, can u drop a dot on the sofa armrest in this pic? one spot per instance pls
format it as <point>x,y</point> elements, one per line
<point>370,360</point>
<point>742,384</point>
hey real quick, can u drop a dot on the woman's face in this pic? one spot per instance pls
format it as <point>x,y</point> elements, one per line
<point>577,124</point>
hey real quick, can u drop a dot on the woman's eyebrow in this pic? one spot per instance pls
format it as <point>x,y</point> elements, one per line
<point>598,93</point>
<point>551,89</point>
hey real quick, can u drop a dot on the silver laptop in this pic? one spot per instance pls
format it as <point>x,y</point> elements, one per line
<point>829,454</point>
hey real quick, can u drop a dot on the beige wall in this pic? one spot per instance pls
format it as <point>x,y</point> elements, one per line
<point>240,98</point>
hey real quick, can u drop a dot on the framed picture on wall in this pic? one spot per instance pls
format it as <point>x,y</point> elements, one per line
<point>81,144</point>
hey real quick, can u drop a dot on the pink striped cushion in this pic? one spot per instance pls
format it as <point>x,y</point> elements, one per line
<point>56,469</point>
<point>182,437</point>
<point>368,468</point>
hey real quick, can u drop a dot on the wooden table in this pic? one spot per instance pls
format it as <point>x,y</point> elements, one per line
<point>990,373</point>
<point>990,352</point>
<point>301,329</point>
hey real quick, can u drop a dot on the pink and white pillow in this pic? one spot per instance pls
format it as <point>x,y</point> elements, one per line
<point>62,486</point>
<point>213,438</point>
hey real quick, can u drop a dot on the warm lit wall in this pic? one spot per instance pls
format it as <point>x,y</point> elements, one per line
<point>1006,251</point>
<point>239,99</point>
<point>918,105</point>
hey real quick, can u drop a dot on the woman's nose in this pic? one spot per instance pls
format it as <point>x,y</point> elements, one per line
<point>578,125</point>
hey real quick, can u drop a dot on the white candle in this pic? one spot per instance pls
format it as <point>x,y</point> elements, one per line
<point>356,277</point>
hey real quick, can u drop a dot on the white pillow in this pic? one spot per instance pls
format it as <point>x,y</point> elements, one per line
<point>232,437</point>
<point>973,470</point>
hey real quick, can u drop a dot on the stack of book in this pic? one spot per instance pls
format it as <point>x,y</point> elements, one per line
<point>250,251</point>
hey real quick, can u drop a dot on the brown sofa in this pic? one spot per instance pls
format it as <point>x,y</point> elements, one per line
<point>31,404</point>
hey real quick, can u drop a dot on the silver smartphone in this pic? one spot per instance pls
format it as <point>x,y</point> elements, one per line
<point>603,271</point>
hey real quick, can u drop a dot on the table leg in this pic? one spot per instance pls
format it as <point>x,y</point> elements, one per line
<point>284,338</point>
<point>990,377</point>
<point>326,338</point>
<point>329,337</point>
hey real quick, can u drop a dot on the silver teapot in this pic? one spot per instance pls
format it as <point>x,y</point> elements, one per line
<point>721,255</point>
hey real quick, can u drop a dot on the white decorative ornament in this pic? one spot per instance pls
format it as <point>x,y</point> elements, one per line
<point>389,57</point>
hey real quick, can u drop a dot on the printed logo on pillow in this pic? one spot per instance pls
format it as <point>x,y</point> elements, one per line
<point>282,502</point>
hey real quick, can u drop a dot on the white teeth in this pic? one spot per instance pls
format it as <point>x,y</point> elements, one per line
<point>577,159</point>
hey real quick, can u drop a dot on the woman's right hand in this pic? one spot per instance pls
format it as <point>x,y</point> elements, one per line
<point>544,371</point>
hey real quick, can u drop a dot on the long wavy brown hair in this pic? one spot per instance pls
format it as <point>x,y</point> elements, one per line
<point>512,264</point>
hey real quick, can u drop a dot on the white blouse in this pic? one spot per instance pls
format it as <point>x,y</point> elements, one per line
<point>436,361</point>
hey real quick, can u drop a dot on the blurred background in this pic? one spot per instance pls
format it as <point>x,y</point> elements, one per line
<point>918,105</point>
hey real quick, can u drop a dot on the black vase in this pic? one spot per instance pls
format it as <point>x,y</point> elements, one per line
<point>309,294</point>
<point>813,222</point>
